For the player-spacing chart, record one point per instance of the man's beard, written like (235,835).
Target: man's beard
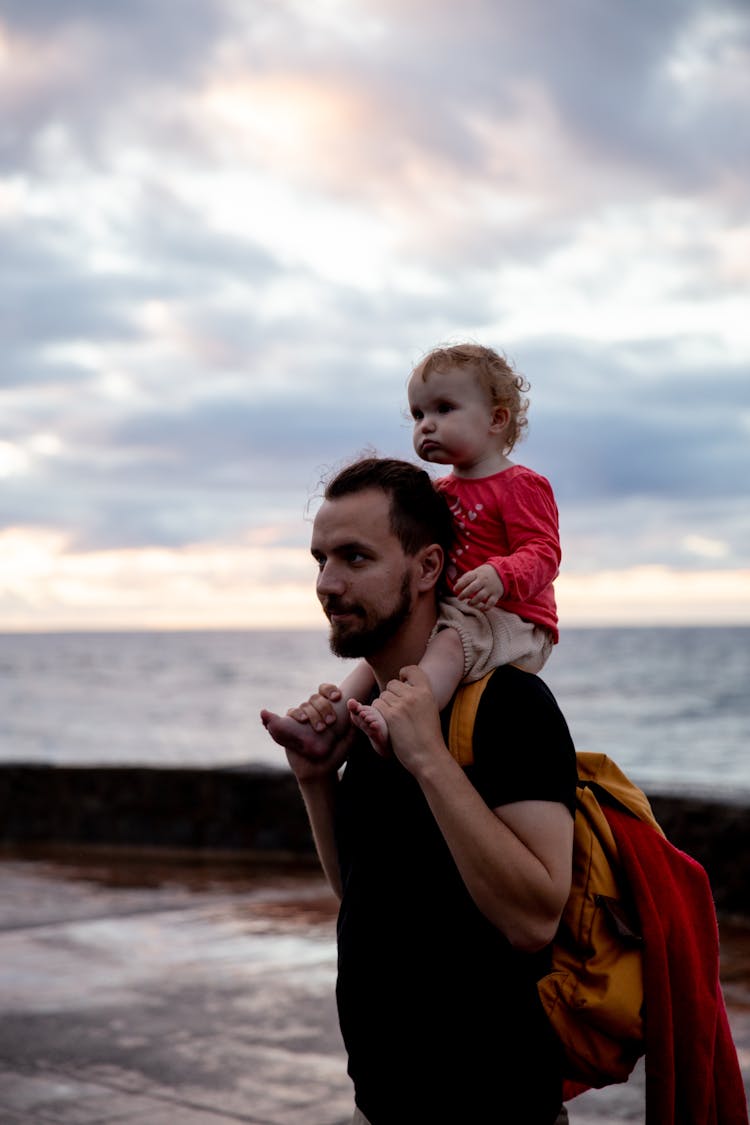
(369,639)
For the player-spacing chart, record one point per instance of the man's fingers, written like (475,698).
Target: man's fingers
(394,689)
(316,711)
(329,691)
(411,674)
(411,677)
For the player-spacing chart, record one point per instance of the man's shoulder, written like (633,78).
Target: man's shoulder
(509,680)
(505,686)
(522,705)
(522,748)
(512,700)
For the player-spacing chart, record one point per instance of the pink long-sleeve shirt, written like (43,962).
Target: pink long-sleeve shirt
(510,521)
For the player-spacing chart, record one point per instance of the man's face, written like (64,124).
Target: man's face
(364,578)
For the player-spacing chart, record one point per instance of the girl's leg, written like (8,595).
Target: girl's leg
(443,664)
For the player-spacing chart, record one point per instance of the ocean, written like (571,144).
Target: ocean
(671,706)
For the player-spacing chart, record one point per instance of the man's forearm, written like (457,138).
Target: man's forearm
(320,797)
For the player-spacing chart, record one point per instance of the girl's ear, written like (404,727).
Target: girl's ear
(430,567)
(500,419)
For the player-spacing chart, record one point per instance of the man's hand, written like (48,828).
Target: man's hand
(318,710)
(312,756)
(409,708)
(482,587)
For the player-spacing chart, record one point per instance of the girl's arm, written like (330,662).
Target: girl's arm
(531,522)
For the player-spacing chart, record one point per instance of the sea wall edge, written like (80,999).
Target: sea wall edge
(258,810)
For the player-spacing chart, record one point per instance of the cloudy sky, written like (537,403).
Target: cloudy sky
(228,229)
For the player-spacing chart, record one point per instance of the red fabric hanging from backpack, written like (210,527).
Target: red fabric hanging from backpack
(692,1072)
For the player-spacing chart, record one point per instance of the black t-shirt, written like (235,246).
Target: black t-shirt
(440,1015)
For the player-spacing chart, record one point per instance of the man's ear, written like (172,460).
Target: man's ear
(431,561)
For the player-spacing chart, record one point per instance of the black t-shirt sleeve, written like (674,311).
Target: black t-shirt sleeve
(522,746)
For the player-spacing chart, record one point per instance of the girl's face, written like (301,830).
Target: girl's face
(454,423)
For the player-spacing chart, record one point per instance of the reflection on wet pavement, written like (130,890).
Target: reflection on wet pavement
(155,989)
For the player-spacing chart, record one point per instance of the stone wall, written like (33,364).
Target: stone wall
(260,810)
(222,809)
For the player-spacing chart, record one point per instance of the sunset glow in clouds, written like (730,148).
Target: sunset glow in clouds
(229,229)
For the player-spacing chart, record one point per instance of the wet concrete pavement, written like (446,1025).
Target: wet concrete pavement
(159,991)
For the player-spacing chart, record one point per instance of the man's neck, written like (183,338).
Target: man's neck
(407,647)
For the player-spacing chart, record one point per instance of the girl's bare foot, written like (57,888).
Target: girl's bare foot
(313,728)
(371,722)
(300,738)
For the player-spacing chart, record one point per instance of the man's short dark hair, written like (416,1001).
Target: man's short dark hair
(419,513)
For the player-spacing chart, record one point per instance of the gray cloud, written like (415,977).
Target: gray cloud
(264,368)
(601,70)
(678,435)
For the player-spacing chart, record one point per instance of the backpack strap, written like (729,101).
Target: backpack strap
(463,714)
(612,787)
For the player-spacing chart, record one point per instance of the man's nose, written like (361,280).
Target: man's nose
(330,580)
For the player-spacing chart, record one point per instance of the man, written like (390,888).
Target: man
(451,881)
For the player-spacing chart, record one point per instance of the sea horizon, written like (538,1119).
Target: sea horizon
(668,703)
(286,627)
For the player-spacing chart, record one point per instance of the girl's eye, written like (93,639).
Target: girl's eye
(445,407)
(417,415)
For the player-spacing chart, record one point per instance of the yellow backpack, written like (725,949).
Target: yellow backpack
(593,994)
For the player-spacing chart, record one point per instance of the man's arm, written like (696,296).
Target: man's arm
(317,779)
(515,860)
(320,797)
